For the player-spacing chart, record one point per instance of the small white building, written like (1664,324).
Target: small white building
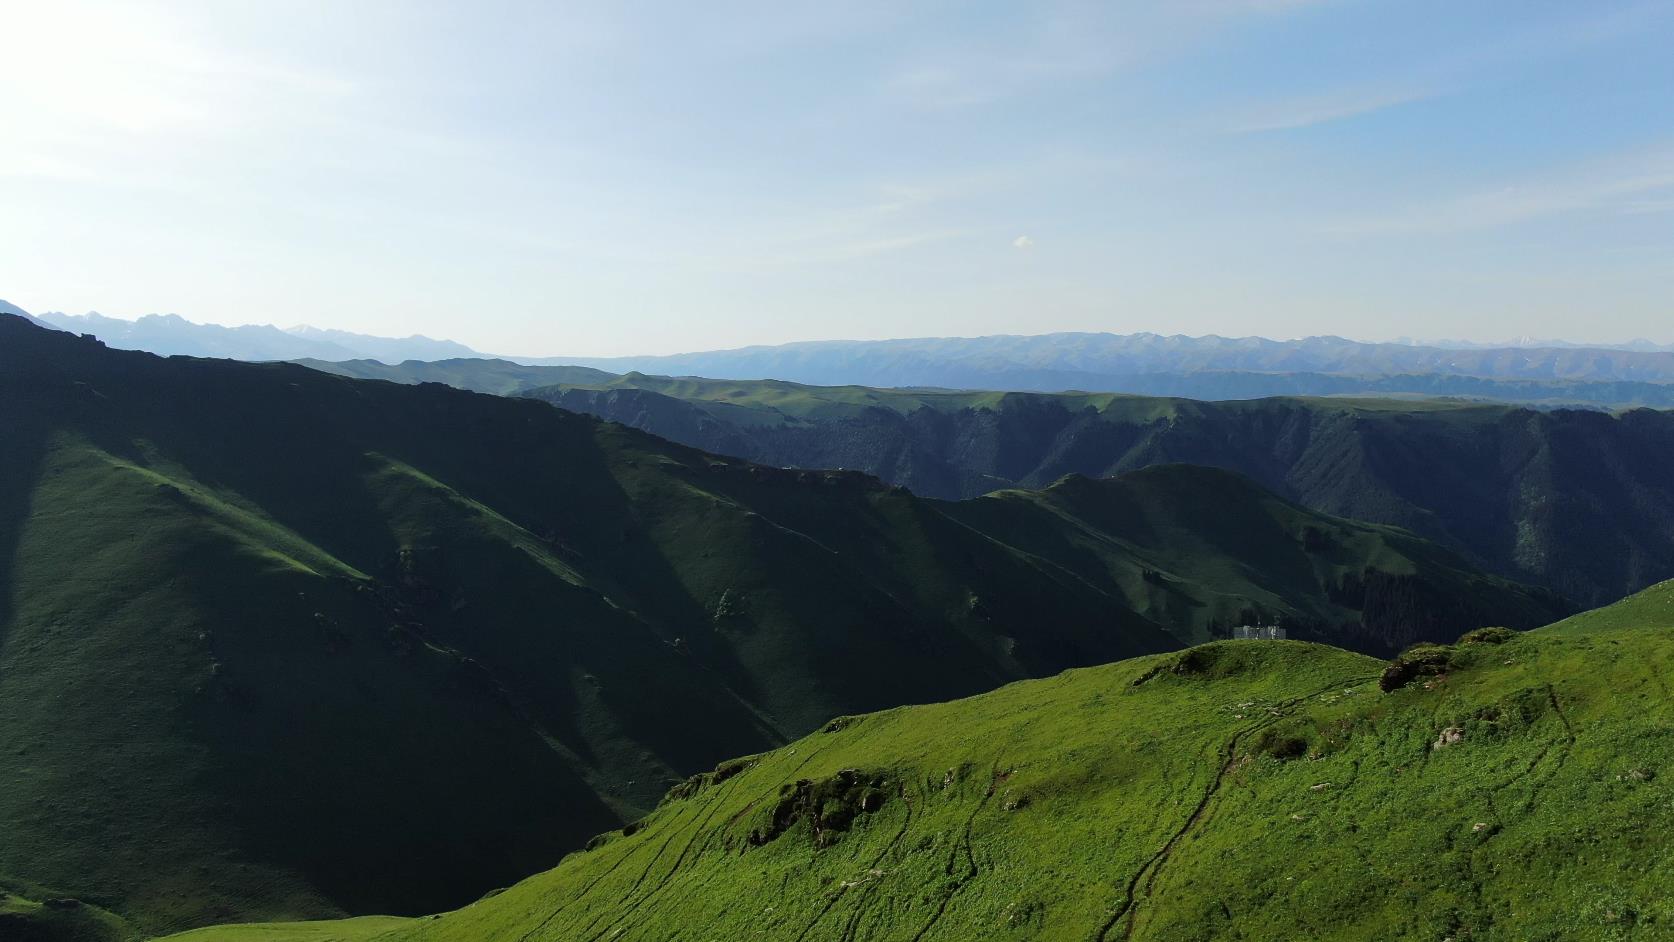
(1262,632)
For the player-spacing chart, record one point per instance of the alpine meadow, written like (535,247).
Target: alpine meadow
(1144,471)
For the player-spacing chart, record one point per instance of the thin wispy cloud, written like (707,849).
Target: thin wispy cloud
(1326,109)
(1445,74)
(1649,207)
(1622,184)
(1066,42)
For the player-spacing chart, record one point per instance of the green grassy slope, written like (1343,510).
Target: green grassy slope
(1520,789)
(1653,607)
(278,644)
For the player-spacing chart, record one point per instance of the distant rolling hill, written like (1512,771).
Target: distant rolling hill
(1504,787)
(1581,502)
(275,643)
(1101,362)
(506,377)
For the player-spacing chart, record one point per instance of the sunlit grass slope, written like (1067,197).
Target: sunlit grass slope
(1653,607)
(1510,787)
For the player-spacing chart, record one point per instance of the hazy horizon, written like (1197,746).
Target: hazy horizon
(1440,342)
(608,179)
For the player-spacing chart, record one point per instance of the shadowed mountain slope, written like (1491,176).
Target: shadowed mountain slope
(1524,493)
(1519,491)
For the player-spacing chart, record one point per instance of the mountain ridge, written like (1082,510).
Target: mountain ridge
(173,335)
(1539,480)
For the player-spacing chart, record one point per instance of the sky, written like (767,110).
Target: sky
(630,177)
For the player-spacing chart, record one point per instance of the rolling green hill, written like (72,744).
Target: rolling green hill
(1520,492)
(1507,787)
(277,644)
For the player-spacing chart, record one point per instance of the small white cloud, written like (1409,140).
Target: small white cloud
(1023,242)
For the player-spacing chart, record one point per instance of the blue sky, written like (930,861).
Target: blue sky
(638,177)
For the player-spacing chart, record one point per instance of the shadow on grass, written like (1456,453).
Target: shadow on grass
(22,450)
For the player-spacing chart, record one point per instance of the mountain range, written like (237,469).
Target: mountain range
(1639,374)
(173,335)
(276,643)
(1525,493)
(284,642)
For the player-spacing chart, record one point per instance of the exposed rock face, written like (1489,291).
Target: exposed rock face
(1451,736)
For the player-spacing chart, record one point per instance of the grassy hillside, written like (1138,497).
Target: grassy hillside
(1508,787)
(277,644)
